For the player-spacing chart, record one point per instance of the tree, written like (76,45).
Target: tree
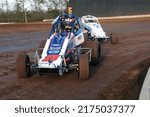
(7,9)
(4,6)
(37,4)
(17,6)
(1,6)
(37,10)
(57,4)
(22,4)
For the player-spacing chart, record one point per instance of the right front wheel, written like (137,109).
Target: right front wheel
(83,67)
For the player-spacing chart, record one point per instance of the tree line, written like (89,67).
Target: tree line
(30,10)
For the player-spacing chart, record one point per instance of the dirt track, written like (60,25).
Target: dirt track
(119,61)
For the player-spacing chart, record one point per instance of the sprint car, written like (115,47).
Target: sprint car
(97,30)
(67,48)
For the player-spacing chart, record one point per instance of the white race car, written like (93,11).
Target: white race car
(96,28)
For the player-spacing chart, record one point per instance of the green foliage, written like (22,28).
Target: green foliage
(31,16)
(19,13)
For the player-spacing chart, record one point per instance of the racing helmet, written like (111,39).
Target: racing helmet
(69,10)
(66,26)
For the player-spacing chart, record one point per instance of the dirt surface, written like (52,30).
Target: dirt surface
(22,27)
(119,70)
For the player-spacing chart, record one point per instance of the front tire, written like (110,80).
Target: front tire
(83,67)
(23,66)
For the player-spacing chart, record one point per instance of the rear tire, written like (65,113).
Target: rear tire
(23,66)
(83,67)
(114,38)
(96,51)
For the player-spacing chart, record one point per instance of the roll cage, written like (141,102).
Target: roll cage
(74,25)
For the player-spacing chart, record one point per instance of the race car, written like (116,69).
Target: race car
(67,47)
(97,30)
